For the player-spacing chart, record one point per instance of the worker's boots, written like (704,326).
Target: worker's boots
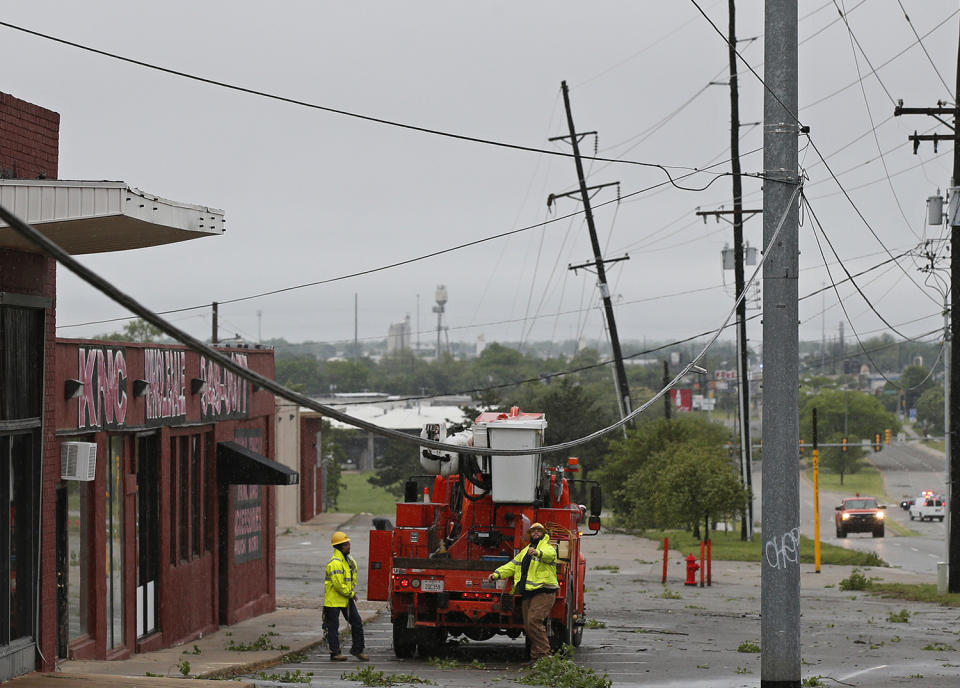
(362,657)
(338,658)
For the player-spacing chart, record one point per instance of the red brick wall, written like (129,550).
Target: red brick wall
(29,139)
(29,148)
(309,471)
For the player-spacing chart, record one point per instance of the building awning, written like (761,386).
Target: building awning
(237,465)
(96,217)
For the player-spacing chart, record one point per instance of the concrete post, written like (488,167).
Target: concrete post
(780,568)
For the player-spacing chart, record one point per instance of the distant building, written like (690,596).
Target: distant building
(398,336)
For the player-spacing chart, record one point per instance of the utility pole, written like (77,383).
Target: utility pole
(214,337)
(666,397)
(780,566)
(952,379)
(623,390)
(746,530)
(356,340)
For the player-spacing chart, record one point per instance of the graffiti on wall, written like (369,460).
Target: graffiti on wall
(166,374)
(248,506)
(103,399)
(226,395)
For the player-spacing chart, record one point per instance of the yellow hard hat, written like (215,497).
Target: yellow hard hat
(339,538)
(537,525)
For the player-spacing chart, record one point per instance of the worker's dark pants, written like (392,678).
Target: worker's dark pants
(536,611)
(331,619)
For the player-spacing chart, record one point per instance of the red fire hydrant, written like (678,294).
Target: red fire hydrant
(692,568)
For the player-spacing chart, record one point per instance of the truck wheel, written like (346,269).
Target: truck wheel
(841,533)
(562,635)
(911,515)
(941,519)
(577,635)
(404,640)
(878,532)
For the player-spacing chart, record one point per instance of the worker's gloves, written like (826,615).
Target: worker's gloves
(493,576)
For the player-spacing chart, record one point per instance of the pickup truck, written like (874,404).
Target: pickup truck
(860,515)
(927,508)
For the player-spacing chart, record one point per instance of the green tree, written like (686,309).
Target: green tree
(930,409)
(836,460)
(135,331)
(572,411)
(334,455)
(399,461)
(639,468)
(844,411)
(915,381)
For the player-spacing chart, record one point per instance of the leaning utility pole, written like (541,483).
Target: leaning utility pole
(952,383)
(742,371)
(780,565)
(623,391)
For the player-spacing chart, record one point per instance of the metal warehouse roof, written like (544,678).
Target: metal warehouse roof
(397,418)
(96,217)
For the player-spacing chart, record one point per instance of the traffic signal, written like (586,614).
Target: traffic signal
(888,434)
(801,446)
(876,443)
(843,444)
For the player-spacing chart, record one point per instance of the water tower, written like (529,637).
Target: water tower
(441,298)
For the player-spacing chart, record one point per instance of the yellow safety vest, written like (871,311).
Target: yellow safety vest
(340,580)
(542,572)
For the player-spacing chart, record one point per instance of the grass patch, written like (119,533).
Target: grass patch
(935,444)
(612,568)
(357,496)
(286,677)
(867,481)
(263,642)
(729,547)
(747,646)
(855,581)
(903,616)
(560,671)
(918,592)
(443,662)
(369,676)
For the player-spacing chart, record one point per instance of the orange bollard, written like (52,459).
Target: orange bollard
(701,563)
(666,550)
(709,562)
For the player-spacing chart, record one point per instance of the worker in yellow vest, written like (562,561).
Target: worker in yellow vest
(339,597)
(534,573)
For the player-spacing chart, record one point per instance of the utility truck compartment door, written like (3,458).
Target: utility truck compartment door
(380,565)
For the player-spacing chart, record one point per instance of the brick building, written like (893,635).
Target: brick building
(172,533)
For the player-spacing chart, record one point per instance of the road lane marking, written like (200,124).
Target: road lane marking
(862,671)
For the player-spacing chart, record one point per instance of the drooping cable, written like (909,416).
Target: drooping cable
(37,239)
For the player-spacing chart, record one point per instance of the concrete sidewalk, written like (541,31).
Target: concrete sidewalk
(294,627)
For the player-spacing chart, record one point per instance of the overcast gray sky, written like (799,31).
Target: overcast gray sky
(310,195)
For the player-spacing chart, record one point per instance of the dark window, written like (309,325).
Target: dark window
(210,480)
(21,362)
(196,490)
(173,500)
(184,499)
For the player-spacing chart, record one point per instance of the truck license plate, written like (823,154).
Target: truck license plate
(432,586)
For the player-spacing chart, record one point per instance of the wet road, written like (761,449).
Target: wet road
(908,468)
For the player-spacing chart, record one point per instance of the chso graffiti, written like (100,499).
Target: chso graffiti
(103,400)
(165,372)
(225,394)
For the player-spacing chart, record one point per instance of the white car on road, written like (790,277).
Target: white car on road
(927,508)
